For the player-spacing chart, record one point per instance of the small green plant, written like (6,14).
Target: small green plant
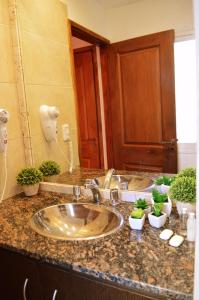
(141,203)
(49,168)
(184,189)
(157,209)
(137,214)
(188,172)
(159,197)
(166,180)
(29,176)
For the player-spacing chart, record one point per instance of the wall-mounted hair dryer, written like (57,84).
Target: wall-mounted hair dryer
(48,116)
(4,116)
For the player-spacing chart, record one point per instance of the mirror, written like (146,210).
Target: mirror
(46,72)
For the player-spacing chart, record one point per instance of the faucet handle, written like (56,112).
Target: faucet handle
(76,192)
(89,181)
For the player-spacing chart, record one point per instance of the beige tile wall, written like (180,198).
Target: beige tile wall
(43,37)
(47,74)
(9,101)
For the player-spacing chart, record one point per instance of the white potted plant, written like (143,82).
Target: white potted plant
(157,218)
(163,183)
(29,179)
(144,205)
(183,192)
(158,197)
(136,219)
(50,170)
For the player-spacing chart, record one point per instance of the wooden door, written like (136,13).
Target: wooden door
(142,103)
(88,108)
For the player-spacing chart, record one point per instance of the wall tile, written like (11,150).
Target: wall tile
(15,162)
(45,61)
(6,57)
(4,16)
(8,100)
(45,18)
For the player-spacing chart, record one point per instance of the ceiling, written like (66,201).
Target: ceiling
(115,3)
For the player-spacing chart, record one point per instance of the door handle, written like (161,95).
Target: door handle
(170,142)
(24,289)
(54,294)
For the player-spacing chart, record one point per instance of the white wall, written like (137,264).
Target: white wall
(88,13)
(149,16)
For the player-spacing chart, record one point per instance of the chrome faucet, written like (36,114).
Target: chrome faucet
(107,180)
(92,185)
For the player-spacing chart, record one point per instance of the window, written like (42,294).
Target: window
(185,89)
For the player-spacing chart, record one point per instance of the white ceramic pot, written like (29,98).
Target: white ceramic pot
(157,222)
(167,206)
(52,178)
(159,188)
(191,207)
(165,189)
(136,223)
(31,189)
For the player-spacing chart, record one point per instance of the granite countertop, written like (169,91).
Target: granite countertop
(138,260)
(79,175)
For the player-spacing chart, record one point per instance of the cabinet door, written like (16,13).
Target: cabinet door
(19,277)
(89,289)
(56,283)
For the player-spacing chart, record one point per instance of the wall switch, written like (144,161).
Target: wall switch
(66,132)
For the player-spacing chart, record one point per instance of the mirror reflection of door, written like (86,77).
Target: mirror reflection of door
(88,111)
(142,103)
(139,104)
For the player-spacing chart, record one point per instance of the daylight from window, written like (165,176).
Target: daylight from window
(185,90)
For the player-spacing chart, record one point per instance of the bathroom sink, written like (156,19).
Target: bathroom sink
(135,182)
(76,221)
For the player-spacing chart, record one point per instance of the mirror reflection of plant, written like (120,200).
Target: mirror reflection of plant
(166,180)
(141,203)
(50,168)
(157,209)
(159,197)
(137,214)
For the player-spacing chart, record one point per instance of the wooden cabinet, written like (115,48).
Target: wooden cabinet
(23,278)
(19,280)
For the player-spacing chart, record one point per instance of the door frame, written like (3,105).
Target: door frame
(81,32)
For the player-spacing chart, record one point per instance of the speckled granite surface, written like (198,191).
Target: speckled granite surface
(141,261)
(79,175)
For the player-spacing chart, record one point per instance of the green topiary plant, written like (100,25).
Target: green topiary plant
(188,172)
(184,189)
(159,197)
(29,176)
(49,168)
(157,209)
(137,214)
(141,203)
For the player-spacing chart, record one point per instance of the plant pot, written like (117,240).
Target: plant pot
(165,189)
(52,178)
(157,222)
(136,223)
(31,189)
(159,188)
(167,206)
(191,207)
